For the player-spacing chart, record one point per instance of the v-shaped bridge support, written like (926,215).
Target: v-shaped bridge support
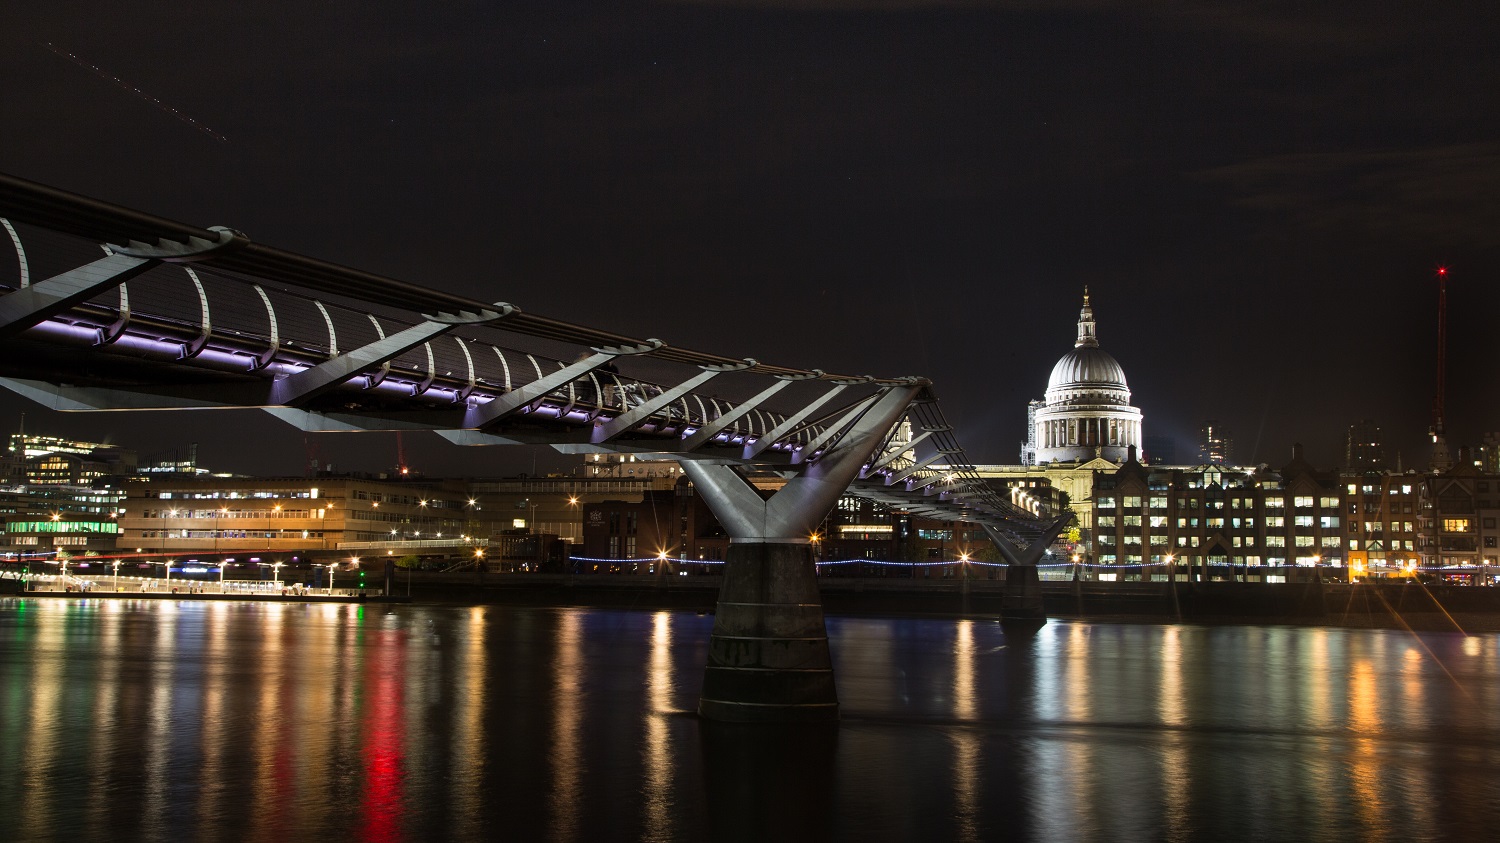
(768,657)
(1022,603)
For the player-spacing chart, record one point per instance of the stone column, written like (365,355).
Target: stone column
(768,657)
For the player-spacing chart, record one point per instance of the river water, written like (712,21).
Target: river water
(193,720)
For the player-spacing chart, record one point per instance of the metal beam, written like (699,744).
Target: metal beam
(914,468)
(803,502)
(894,455)
(708,431)
(1032,553)
(502,406)
(776,433)
(303,386)
(607,430)
(30,306)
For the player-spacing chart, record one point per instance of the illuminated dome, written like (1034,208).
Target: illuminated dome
(1086,412)
(1087,366)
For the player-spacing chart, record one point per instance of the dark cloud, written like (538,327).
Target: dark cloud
(1448,194)
(894,188)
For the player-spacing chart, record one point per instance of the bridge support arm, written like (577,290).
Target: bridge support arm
(308,384)
(775,434)
(768,655)
(607,430)
(705,434)
(504,405)
(1022,603)
(915,467)
(30,306)
(896,454)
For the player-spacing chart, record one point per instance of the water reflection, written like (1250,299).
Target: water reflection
(966,742)
(220,721)
(657,801)
(567,749)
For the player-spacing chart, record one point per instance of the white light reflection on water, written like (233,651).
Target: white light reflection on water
(470,682)
(106,703)
(158,743)
(658,797)
(967,757)
(216,731)
(410,723)
(567,739)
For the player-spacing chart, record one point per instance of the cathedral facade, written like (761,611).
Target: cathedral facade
(1086,412)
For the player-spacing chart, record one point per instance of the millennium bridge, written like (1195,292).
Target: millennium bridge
(106,308)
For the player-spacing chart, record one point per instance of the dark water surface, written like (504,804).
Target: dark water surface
(219,721)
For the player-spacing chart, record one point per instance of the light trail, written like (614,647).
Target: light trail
(137,92)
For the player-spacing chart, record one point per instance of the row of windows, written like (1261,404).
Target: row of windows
(232,534)
(257,494)
(1379,526)
(1329,542)
(1235,502)
(234,513)
(1395,544)
(62,527)
(1327,522)
(1251,560)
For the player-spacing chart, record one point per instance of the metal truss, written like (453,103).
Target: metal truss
(176,316)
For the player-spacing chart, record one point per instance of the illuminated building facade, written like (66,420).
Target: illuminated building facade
(1086,412)
(1214,443)
(58,461)
(1218,515)
(1457,516)
(1381,513)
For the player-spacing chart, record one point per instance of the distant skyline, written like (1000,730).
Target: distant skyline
(1257,198)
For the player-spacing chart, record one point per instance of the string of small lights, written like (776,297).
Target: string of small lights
(977,563)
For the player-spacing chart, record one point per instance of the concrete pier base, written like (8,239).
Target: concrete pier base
(768,656)
(1022,604)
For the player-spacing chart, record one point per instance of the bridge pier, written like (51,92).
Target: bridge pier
(1021,606)
(768,657)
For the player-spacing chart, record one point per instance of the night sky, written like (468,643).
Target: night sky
(1256,193)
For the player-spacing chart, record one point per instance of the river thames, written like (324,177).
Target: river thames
(193,720)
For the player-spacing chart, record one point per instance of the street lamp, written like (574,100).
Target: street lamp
(116,565)
(164,536)
(276,574)
(218,514)
(323,527)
